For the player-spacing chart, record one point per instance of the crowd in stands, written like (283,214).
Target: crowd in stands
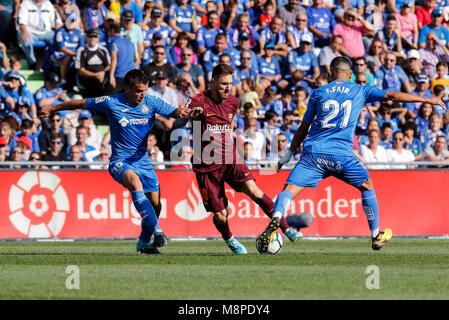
(280,50)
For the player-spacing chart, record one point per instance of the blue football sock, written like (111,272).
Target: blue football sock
(369,203)
(282,203)
(149,221)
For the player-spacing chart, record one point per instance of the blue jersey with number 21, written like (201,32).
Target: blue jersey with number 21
(333,111)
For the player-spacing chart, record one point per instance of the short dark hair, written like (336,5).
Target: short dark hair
(115,27)
(270,114)
(136,76)
(338,63)
(26,123)
(222,69)
(410,125)
(55,135)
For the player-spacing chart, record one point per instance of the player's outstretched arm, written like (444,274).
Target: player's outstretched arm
(407,97)
(192,114)
(298,139)
(68,105)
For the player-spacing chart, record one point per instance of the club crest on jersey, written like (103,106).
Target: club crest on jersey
(101,99)
(145,109)
(230,116)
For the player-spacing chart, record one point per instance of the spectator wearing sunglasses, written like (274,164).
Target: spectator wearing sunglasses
(56,150)
(360,66)
(54,126)
(35,156)
(398,154)
(17,154)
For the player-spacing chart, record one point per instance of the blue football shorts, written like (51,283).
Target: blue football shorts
(314,167)
(143,168)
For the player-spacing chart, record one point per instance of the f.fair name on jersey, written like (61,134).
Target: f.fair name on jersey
(341,89)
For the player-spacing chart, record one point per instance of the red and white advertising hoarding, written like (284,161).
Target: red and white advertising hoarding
(84,204)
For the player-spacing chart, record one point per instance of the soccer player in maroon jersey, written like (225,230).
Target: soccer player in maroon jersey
(215,159)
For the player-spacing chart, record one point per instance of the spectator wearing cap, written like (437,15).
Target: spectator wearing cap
(432,53)
(157,27)
(352,29)
(149,46)
(408,23)
(124,58)
(161,89)
(391,37)
(295,31)
(270,70)
(390,76)
(289,12)
(241,26)
(182,17)
(303,59)
(133,32)
(194,70)
(244,44)
(423,13)
(36,21)
(15,87)
(158,64)
(120,6)
(85,120)
(92,62)
(422,90)
(206,35)
(23,109)
(328,53)
(94,14)
(51,93)
(434,26)
(54,127)
(67,41)
(321,23)
(273,34)
(104,28)
(25,144)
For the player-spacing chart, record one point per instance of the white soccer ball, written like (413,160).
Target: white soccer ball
(276,244)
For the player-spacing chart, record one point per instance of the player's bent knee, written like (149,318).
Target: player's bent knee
(131,181)
(221,216)
(367,185)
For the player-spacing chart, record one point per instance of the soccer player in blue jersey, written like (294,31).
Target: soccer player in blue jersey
(131,116)
(332,115)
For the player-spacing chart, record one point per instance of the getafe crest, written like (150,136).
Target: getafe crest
(145,109)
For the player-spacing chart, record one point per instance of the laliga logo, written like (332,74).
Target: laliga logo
(191,209)
(33,199)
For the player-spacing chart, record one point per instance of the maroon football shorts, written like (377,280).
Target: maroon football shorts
(212,184)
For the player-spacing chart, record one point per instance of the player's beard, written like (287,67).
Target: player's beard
(223,95)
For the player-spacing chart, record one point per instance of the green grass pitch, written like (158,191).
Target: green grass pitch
(327,269)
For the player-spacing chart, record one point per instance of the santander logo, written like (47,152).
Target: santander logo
(38,204)
(192,208)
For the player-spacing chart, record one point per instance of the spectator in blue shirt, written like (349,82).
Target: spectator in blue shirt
(135,8)
(321,23)
(123,59)
(391,76)
(273,34)
(295,32)
(422,90)
(182,17)
(304,60)
(270,70)
(51,93)
(94,14)
(157,26)
(205,36)
(245,69)
(241,27)
(15,87)
(211,57)
(435,26)
(67,41)
(391,37)
(244,44)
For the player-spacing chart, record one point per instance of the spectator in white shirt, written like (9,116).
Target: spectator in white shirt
(154,152)
(85,119)
(36,20)
(162,90)
(373,152)
(438,152)
(398,153)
